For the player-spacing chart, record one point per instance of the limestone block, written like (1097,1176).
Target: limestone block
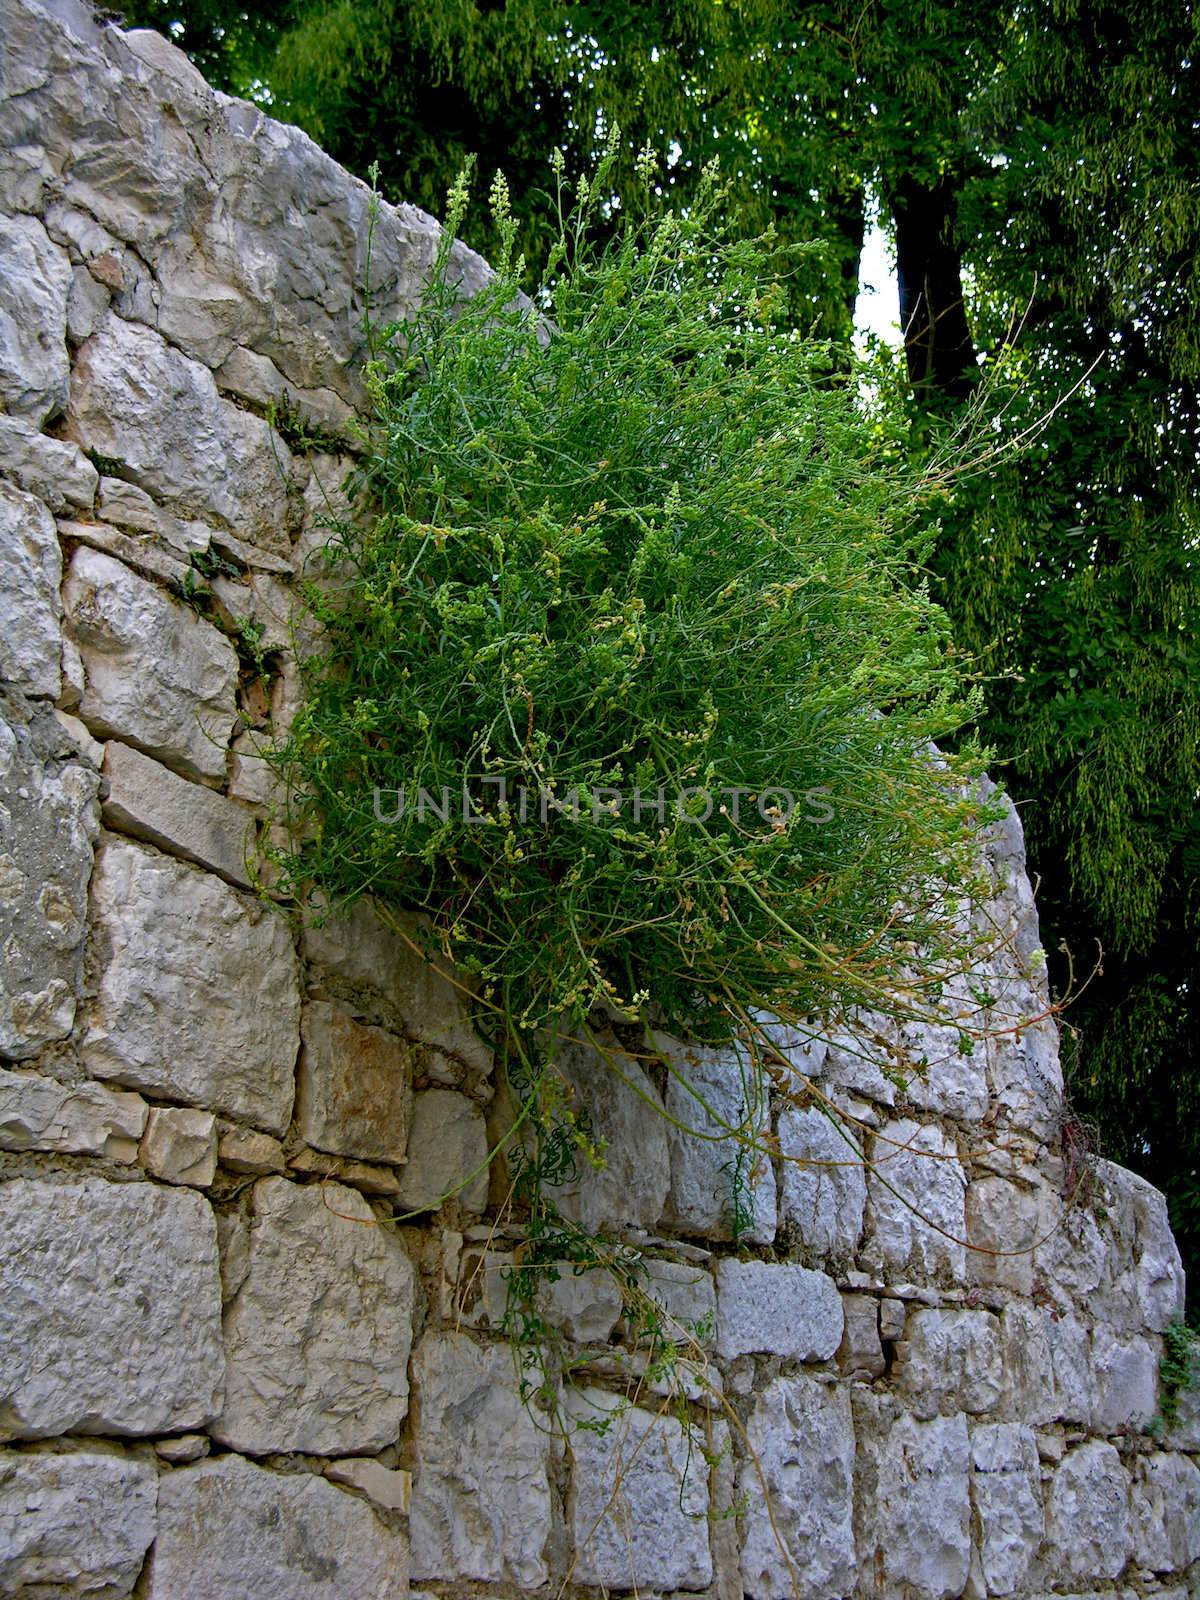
(447,1143)
(148,801)
(913,1497)
(389,1489)
(1071,1260)
(354,1089)
(688,1296)
(1003,1221)
(823,1181)
(1087,1522)
(1126,1374)
(1006,1493)
(318,1335)
(47,825)
(30,575)
(87,304)
(358,1174)
(802,1435)
(778,1309)
(917,1188)
(83,1119)
(198,997)
(35,279)
(862,1057)
(1047,1365)
(946,1070)
(180,1146)
(245,1150)
(359,948)
(950,1360)
(630,1190)
(1165,1512)
(584,1306)
(860,1354)
(1142,1286)
(711,1091)
(54,470)
(182,1448)
(74,1524)
(92,1280)
(228,1530)
(1024,1072)
(138,401)
(640,1503)
(157,675)
(481,1494)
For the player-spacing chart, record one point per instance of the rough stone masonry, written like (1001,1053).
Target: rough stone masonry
(221,1375)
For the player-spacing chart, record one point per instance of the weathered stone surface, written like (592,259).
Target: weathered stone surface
(74,1524)
(358,1174)
(1004,1223)
(640,1502)
(47,825)
(802,1436)
(860,1354)
(447,1143)
(1165,1513)
(245,1150)
(687,1295)
(1024,1072)
(387,1488)
(54,470)
(778,1309)
(180,1145)
(354,1089)
(35,279)
(1126,1375)
(30,575)
(150,802)
(950,1360)
(37,1113)
(823,1185)
(481,1493)
(318,1335)
(183,1448)
(1007,1498)
(92,1282)
(941,1075)
(585,1307)
(719,1173)
(862,1057)
(228,1529)
(917,1187)
(1087,1521)
(139,402)
(359,948)
(198,997)
(630,1190)
(1047,1365)
(157,675)
(913,1499)
(1142,1281)
(127,506)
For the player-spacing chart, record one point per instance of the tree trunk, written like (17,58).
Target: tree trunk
(937,337)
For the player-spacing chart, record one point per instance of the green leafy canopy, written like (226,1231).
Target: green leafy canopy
(633,532)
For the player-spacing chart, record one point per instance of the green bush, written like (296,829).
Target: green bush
(623,534)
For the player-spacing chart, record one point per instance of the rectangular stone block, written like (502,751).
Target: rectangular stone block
(318,1334)
(198,997)
(110,1309)
(777,1309)
(447,1144)
(47,825)
(481,1493)
(802,1435)
(148,801)
(74,1523)
(57,472)
(354,1090)
(81,1119)
(180,1145)
(30,575)
(640,1500)
(949,1360)
(1006,1493)
(157,675)
(228,1530)
(823,1181)
(917,1186)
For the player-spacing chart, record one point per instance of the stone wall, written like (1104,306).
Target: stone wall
(224,1371)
